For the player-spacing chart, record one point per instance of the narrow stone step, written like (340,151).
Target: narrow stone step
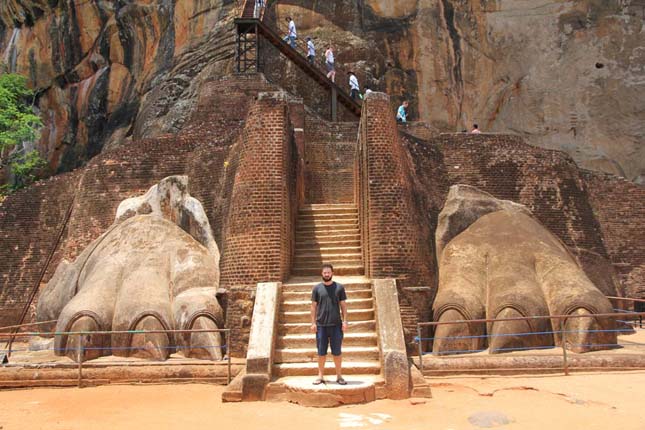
(309,339)
(309,260)
(346,270)
(304,305)
(305,295)
(304,355)
(324,222)
(311,369)
(303,317)
(303,328)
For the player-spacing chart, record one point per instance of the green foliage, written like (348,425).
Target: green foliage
(18,124)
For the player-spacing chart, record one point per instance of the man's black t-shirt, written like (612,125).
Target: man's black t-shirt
(328,299)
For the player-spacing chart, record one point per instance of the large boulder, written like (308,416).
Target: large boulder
(155,268)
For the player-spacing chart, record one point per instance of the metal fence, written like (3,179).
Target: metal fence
(82,337)
(626,322)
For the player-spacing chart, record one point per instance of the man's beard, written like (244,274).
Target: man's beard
(327,278)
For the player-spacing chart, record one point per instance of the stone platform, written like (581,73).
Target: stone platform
(301,390)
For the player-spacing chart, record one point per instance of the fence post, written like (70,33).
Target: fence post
(420,348)
(79,358)
(228,355)
(564,345)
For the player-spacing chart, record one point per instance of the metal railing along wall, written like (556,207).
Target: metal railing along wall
(625,325)
(81,337)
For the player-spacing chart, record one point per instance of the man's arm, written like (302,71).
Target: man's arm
(343,310)
(314,306)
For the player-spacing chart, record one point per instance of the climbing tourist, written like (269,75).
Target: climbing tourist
(329,322)
(311,50)
(259,4)
(402,113)
(329,62)
(475,129)
(367,90)
(354,88)
(292,35)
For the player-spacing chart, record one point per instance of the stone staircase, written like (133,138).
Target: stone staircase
(326,234)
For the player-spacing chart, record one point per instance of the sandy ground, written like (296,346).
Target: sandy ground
(581,401)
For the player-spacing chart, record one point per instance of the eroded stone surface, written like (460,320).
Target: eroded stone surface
(505,264)
(144,273)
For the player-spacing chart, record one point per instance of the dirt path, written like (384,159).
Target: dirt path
(581,401)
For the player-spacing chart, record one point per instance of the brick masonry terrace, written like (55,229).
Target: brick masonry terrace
(255,155)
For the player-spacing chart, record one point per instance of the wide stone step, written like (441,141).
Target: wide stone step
(308,340)
(305,294)
(308,285)
(319,259)
(344,269)
(344,227)
(315,216)
(330,240)
(303,317)
(311,369)
(304,355)
(317,249)
(304,305)
(326,221)
(327,209)
(300,390)
(304,328)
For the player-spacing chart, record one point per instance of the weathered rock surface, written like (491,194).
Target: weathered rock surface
(505,264)
(565,75)
(147,272)
(109,71)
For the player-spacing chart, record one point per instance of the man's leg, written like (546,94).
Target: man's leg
(322,343)
(336,350)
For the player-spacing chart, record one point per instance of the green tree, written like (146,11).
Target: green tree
(18,124)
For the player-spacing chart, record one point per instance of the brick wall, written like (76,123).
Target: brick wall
(30,223)
(259,233)
(619,206)
(330,149)
(395,234)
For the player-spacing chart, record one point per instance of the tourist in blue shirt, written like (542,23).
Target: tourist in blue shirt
(402,113)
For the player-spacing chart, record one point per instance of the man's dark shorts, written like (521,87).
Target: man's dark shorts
(329,335)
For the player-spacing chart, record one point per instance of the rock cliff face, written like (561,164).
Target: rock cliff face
(563,74)
(107,71)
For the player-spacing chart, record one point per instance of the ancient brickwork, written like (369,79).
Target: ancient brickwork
(547,182)
(259,233)
(30,223)
(330,149)
(392,225)
(619,206)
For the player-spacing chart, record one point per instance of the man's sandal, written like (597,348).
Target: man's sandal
(319,381)
(341,381)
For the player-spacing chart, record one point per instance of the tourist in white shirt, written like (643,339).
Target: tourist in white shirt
(292,35)
(354,88)
(329,62)
(311,50)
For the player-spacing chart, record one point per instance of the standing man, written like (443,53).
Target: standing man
(311,50)
(328,301)
(354,88)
